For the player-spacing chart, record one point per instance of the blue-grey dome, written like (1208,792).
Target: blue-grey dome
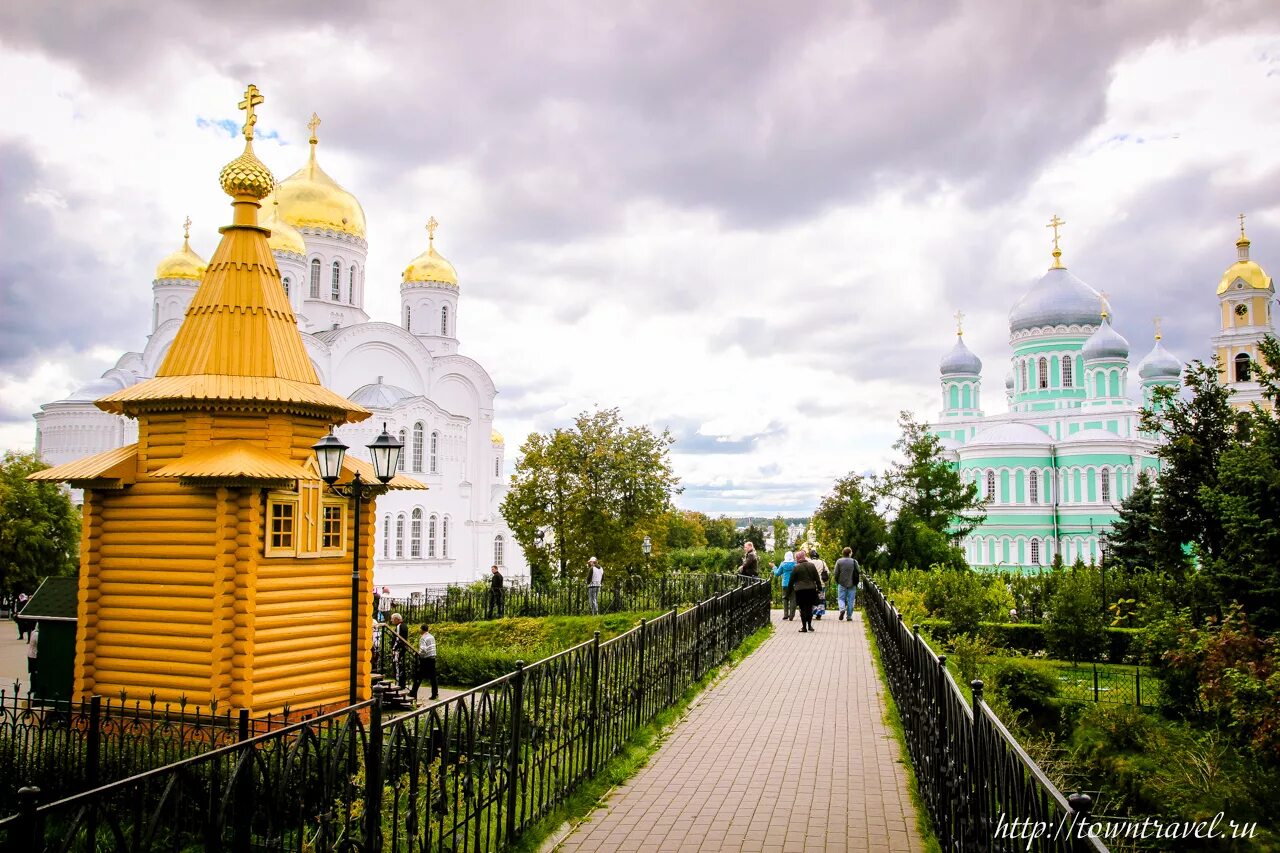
(1057,299)
(960,361)
(1105,344)
(380,396)
(1160,364)
(1008,380)
(96,390)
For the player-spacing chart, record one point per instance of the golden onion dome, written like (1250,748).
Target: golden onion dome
(284,237)
(247,176)
(495,437)
(1249,272)
(183,263)
(310,198)
(430,265)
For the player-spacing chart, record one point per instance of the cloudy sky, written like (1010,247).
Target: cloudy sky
(749,222)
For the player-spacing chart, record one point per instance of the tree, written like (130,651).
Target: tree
(39,526)
(1197,430)
(1075,627)
(780,542)
(1138,541)
(598,487)
(753,534)
(721,533)
(685,529)
(847,518)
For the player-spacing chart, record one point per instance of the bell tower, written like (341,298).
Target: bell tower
(1245,297)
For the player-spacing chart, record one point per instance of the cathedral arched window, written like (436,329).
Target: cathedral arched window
(286,283)
(1105,474)
(431,536)
(444,320)
(400,462)
(1243,370)
(1068,372)
(386,536)
(415,534)
(417,446)
(435,453)
(351,294)
(1022,371)
(400,536)
(1035,552)
(1033,487)
(444,538)
(315,278)
(991,485)
(406,319)
(1042,373)
(498,548)
(335,292)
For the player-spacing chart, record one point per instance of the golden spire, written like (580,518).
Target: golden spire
(246,175)
(959,315)
(1056,223)
(1102,298)
(186,229)
(432,225)
(311,126)
(1156,320)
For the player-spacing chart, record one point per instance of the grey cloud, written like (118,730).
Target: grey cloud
(690,439)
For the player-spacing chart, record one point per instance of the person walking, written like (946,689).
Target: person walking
(805,582)
(750,561)
(595,577)
(400,639)
(848,573)
(824,577)
(33,652)
(782,571)
(426,664)
(384,605)
(496,603)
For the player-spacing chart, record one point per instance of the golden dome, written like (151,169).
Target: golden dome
(430,266)
(495,437)
(183,263)
(284,237)
(310,198)
(1245,269)
(246,175)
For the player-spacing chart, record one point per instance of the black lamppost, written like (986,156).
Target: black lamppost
(385,453)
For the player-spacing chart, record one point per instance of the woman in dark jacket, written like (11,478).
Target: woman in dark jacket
(805,583)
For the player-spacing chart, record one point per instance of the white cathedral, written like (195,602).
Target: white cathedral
(411,376)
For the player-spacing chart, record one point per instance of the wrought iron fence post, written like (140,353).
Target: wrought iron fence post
(663,603)
(943,793)
(595,702)
(513,769)
(1081,805)
(671,662)
(977,781)
(373,776)
(95,740)
(240,817)
(640,680)
(697,640)
(1095,681)
(28,836)
(1137,685)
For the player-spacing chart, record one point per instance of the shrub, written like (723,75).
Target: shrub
(1027,686)
(968,651)
(961,596)
(1074,627)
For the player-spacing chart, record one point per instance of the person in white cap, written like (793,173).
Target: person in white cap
(595,577)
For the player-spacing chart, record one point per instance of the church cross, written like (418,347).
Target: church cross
(251,100)
(1106,305)
(1055,223)
(312,125)
(1242,225)
(432,225)
(1157,320)
(186,228)
(959,315)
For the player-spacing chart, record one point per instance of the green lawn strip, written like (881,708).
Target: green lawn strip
(634,755)
(923,823)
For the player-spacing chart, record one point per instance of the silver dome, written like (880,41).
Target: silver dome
(1105,344)
(380,396)
(96,390)
(1057,299)
(960,361)
(1160,364)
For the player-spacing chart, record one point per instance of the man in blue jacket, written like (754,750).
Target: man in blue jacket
(783,571)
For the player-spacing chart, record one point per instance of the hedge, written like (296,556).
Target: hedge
(1029,638)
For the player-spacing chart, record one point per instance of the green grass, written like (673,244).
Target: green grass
(923,823)
(633,756)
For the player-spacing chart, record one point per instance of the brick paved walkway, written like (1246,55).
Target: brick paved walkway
(749,768)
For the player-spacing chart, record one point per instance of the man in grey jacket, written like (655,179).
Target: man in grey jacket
(847,575)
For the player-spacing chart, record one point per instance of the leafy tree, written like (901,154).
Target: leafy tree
(599,487)
(1197,430)
(1137,540)
(847,518)
(685,529)
(1075,626)
(39,526)
(721,533)
(780,542)
(753,534)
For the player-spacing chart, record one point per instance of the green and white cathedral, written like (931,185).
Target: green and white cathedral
(1056,466)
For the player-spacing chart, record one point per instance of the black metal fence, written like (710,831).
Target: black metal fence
(982,790)
(467,773)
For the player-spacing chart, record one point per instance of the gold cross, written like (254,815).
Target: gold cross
(432,225)
(186,228)
(1157,322)
(1242,225)
(312,125)
(959,315)
(1102,298)
(251,100)
(1055,223)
